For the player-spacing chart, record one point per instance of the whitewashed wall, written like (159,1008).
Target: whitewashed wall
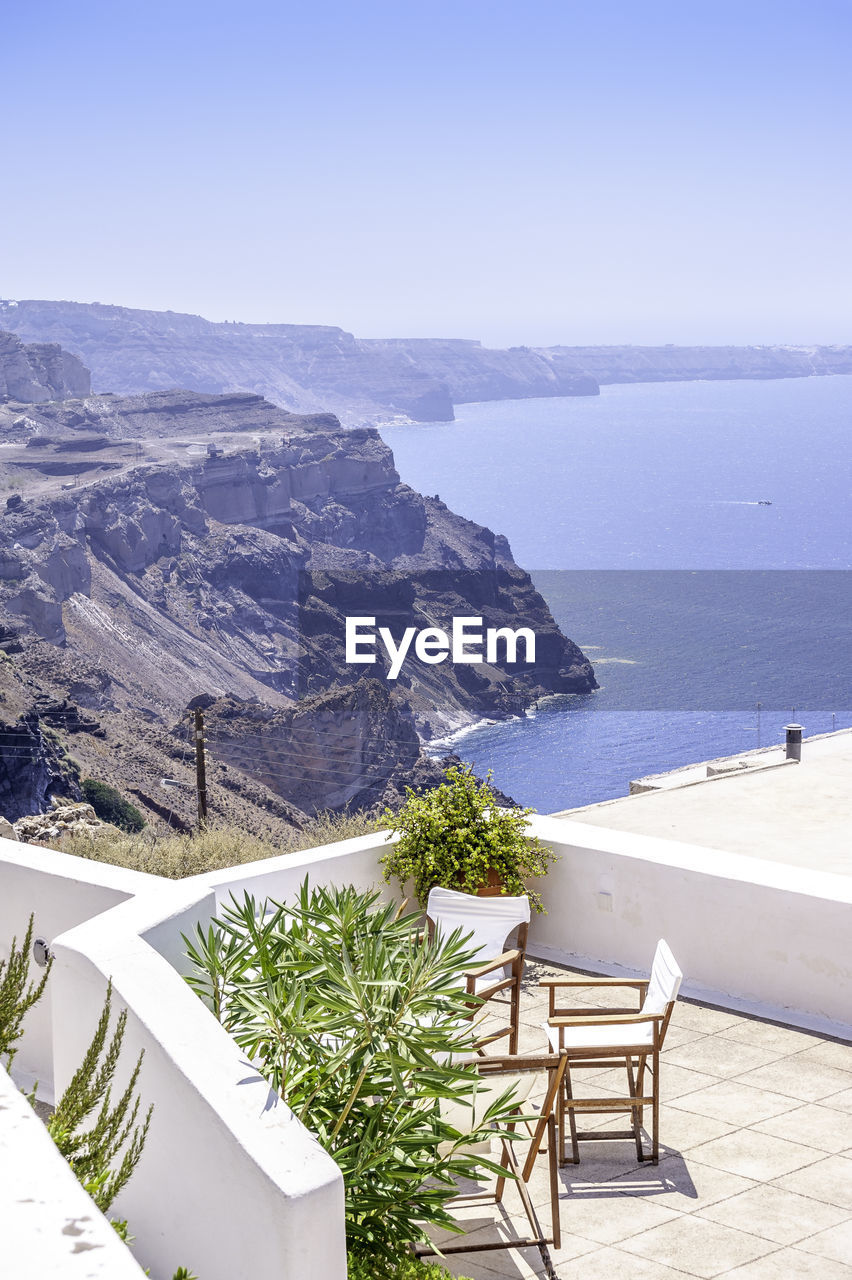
(48,1225)
(749,934)
(230,1183)
(61,892)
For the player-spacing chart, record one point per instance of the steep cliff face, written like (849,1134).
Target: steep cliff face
(32,769)
(684,364)
(260,555)
(232,575)
(306,368)
(39,371)
(473,372)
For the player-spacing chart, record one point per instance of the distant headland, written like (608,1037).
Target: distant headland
(307,368)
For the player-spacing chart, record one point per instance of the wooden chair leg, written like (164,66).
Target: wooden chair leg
(655,1146)
(635,1111)
(640,1085)
(504,1164)
(554,1184)
(515,1008)
(572,1121)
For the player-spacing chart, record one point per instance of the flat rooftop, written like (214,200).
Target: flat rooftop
(755,1173)
(797,813)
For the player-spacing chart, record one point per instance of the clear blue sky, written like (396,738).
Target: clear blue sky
(528,172)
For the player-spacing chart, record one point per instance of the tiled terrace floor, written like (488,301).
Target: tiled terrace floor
(755,1173)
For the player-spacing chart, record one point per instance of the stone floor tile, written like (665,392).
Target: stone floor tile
(682,1130)
(674,1081)
(613,1264)
(829,1180)
(702,1018)
(610,1218)
(601,1163)
(679,1130)
(754,1155)
(681,1184)
(779,1216)
(717,1056)
(799,1077)
(839,1101)
(835,1243)
(734,1103)
(677,1036)
(770,1036)
(697,1246)
(830,1053)
(790,1264)
(814,1124)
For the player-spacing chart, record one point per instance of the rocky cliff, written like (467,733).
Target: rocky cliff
(305,368)
(310,368)
(39,371)
(230,575)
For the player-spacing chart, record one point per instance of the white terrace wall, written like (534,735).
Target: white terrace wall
(760,936)
(48,1225)
(748,933)
(61,892)
(230,1184)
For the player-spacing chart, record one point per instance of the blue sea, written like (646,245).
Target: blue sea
(712,619)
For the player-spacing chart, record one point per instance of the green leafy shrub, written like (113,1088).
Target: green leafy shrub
(362,1030)
(113,1137)
(408,1268)
(456,834)
(111,806)
(17,994)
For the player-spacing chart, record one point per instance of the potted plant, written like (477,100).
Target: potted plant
(458,837)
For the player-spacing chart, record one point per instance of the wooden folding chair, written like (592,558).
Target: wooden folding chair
(504,1071)
(625,1038)
(490,921)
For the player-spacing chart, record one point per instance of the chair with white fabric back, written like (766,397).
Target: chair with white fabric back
(490,920)
(615,1038)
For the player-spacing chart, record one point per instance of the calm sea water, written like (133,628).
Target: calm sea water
(639,515)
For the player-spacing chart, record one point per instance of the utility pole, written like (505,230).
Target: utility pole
(200,770)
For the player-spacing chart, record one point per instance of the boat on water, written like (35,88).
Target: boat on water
(764,502)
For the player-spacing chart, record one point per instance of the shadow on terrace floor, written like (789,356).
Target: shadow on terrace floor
(755,1174)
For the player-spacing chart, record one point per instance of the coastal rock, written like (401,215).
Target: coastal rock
(61,820)
(32,769)
(232,574)
(35,372)
(305,368)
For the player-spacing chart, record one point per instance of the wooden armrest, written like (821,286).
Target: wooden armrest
(593,982)
(605,1020)
(480,971)
(514,1062)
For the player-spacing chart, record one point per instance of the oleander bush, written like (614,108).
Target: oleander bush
(361,1028)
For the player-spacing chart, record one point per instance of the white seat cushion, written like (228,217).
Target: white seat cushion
(610,1038)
